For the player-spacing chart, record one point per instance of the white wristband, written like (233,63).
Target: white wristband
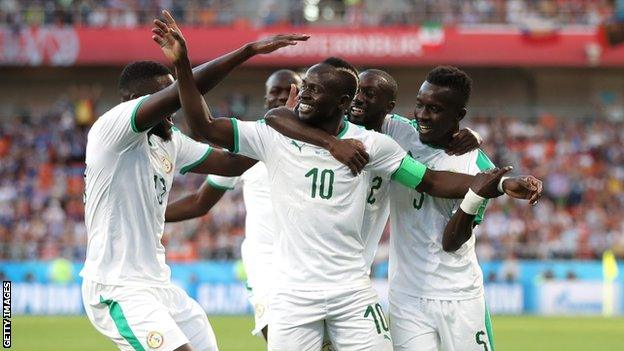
(471,203)
(500,184)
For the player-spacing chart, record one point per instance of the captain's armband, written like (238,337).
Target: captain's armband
(410,173)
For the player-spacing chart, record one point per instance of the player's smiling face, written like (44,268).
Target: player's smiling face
(438,112)
(372,101)
(319,97)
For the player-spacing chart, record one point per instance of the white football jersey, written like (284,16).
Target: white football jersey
(318,204)
(259,222)
(418,264)
(127,182)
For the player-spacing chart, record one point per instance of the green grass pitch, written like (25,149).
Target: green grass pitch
(510,334)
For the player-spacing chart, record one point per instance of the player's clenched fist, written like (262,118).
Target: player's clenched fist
(169,36)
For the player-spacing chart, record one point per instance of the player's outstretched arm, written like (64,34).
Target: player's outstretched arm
(451,185)
(169,36)
(193,205)
(459,229)
(350,152)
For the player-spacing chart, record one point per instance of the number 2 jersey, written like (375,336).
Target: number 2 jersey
(418,265)
(319,205)
(127,181)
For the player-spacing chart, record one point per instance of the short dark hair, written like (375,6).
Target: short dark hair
(391,86)
(137,73)
(453,78)
(348,74)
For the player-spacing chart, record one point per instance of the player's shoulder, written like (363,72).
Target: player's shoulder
(124,111)
(396,126)
(477,159)
(395,120)
(354,131)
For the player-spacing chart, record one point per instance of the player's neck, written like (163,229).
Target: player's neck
(442,142)
(376,124)
(333,126)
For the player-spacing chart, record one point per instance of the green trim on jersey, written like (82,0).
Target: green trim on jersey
(343,131)
(484,164)
(236,145)
(175,129)
(186,169)
(121,323)
(133,116)
(410,173)
(488,327)
(217,186)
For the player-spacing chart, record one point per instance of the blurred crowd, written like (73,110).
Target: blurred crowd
(132,13)
(580,161)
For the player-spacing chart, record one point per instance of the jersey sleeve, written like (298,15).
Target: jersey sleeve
(252,139)
(221,182)
(401,130)
(388,158)
(116,129)
(189,153)
(480,163)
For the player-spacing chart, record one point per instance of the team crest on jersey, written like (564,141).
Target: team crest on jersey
(155,339)
(259,308)
(166,163)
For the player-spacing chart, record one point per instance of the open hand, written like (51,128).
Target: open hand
(291,103)
(464,141)
(267,46)
(485,184)
(351,153)
(168,35)
(524,187)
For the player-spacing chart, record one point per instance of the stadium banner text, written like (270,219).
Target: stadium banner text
(394,46)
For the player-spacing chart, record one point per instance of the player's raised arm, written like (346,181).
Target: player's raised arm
(165,102)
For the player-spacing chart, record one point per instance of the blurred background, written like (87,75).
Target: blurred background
(547,99)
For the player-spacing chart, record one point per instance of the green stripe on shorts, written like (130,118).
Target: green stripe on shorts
(122,323)
(488,327)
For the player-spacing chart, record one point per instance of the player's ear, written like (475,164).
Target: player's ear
(462,113)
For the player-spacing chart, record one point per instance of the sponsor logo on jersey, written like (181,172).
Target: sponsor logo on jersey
(155,339)
(299,146)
